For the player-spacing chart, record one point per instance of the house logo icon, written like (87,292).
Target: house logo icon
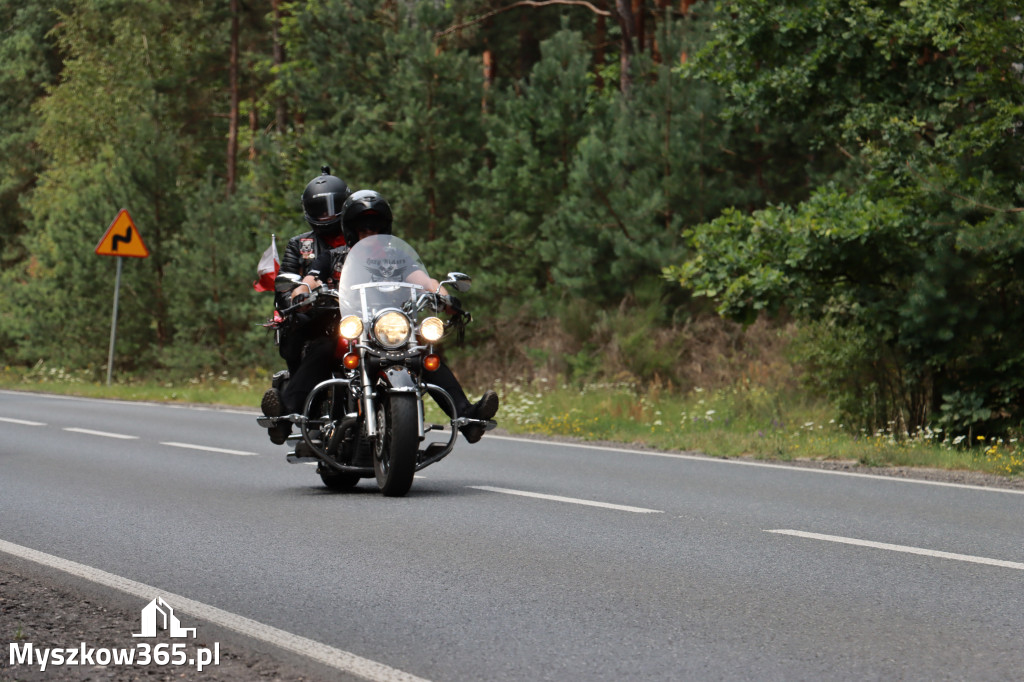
(159,614)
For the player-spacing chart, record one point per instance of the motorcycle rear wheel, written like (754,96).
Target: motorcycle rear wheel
(394,453)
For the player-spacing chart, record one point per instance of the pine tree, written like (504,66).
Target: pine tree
(31,64)
(143,145)
(531,143)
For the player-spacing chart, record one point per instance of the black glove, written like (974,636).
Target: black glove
(452,304)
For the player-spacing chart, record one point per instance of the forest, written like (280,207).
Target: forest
(613,174)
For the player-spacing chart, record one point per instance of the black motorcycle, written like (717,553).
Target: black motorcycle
(368,419)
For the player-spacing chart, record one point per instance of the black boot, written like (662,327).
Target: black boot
(273,406)
(484,410)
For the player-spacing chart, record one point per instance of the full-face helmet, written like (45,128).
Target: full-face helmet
(322,201)
(365,209)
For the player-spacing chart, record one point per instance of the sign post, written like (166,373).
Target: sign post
(121,239)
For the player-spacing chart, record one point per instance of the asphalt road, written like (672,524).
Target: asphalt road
(524,560)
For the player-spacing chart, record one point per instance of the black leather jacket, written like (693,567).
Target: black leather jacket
(299,254)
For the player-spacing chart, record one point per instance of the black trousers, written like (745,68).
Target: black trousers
(314,367)
(444,378)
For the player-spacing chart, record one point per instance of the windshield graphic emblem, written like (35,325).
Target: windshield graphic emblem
(384,269)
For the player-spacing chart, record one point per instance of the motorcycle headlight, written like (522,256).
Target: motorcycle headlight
(351,327)
(392,329)
(432,329)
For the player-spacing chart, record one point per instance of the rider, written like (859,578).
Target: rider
(321,206)
(367,213)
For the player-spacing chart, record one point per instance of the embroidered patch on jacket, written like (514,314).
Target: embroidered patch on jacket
(306,248)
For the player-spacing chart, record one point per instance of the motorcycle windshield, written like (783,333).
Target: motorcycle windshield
(377,274)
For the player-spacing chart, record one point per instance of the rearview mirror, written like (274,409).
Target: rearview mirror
(459,281)
(286,281)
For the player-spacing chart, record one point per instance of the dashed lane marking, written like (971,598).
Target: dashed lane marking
(571,500)
(105,434)
(24,422)
(206,448)
(901,548)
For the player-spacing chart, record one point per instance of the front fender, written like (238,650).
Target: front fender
(400,380)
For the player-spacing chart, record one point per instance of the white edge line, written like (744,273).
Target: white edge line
(206,448)
(24,422)
(765,465)
(327,655)
(901,548)
(143,403)
(571,500)
(105,434)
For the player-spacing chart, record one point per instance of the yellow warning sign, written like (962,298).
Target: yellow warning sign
(122,238)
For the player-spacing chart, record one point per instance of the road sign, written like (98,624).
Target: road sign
(122,238)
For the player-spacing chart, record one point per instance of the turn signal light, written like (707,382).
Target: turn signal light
(351,361)
(431,362)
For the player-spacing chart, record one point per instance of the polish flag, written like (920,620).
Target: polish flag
(268,267)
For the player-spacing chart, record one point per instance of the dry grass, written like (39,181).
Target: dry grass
(720,388)
(706,352)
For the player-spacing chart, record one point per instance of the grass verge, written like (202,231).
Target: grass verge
(746,420)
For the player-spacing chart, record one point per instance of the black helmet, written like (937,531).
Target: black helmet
(322,200)
(365,207)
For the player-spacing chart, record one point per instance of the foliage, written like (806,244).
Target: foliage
(530,142)
(137,148)
(514,177)
(855,165)
(914,257)
(31,63)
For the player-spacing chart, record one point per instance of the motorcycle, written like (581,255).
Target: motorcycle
(368,419)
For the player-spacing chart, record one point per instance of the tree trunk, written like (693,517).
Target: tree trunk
(233,114)
(489,67)
(638,22)
(281,109)
(662,13)
(624,13)
(529,49)
(600,40)
(253,128)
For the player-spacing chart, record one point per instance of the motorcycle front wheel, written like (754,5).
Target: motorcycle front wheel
(394,453)
(337,481)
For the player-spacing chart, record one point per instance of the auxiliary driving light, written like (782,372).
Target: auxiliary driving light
(351,327)
(432,329)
